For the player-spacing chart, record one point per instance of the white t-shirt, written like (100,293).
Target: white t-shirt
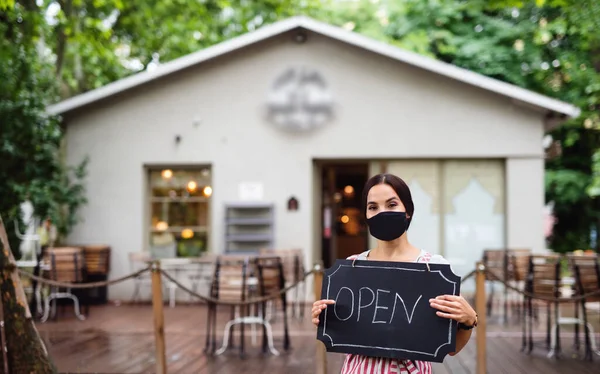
(433,259)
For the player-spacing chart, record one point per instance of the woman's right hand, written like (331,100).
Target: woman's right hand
(318,307)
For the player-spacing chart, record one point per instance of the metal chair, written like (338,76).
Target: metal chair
(271,281)
(137,262)
(543,279)
(495,262)
(587,280)
(201,274)
(97,267)
(230,283)
(518,264)
(293,267)
(65,265)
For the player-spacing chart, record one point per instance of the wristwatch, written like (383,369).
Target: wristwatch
(465,327)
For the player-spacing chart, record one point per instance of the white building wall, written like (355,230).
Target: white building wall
(383,110)
(525,203)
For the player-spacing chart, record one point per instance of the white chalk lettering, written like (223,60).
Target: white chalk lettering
(409,318)
(336,304)
(378,298)
(378,307)
(360,305)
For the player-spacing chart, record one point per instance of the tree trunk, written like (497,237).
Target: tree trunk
(25,350)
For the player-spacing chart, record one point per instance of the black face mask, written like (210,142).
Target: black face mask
(388,226)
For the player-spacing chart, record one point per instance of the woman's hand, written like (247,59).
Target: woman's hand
(318,307)
(454,307)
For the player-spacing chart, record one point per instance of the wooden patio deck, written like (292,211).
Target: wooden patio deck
(120,339)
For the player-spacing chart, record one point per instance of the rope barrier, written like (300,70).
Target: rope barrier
(273,296)
(251,301)
(84,285)
(470,275)
(544,298)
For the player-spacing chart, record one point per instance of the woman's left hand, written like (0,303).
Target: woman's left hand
(454,307)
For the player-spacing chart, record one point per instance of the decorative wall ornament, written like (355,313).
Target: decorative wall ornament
(292,204)
(299,100)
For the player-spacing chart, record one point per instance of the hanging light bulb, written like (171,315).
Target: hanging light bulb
(187,233)
(207,191)
(337,197)
(192,186)
(167,173)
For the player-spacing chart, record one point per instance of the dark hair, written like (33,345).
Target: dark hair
(397,184)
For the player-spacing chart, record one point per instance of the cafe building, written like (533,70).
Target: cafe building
(265,141)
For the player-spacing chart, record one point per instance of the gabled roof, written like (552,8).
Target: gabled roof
(530,98)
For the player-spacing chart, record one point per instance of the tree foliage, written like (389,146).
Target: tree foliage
(31,167)
(98,42)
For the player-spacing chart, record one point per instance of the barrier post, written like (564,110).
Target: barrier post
(480,308)
(321,351)
(159,320)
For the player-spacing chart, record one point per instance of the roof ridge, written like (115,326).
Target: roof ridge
(517,93)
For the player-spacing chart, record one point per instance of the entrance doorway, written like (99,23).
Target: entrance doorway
(343,229)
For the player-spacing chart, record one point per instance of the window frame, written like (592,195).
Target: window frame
(149,199)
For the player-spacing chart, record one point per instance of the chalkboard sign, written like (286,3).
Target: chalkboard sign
(382,310)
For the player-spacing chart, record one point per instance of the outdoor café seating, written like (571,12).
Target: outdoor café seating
(67,265)
(545,277)
(97,269)
(238,278)
(586,272)
(294,269)
(510,266)
(545,281)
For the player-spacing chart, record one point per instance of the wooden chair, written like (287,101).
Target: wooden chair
(543,279)
(97,266)
(271,281)
(586,270)
(236,279)
(294,269)
(518,265)
(230,283)
(97,259)
(65,265)
(495,262)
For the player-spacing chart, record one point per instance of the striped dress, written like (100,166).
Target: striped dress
(357,364)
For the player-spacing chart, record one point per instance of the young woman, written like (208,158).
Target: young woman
(389,209)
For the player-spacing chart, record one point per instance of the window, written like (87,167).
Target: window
(179,211)
(459,207)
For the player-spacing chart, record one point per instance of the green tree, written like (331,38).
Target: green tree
(29,139)
(97,42)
